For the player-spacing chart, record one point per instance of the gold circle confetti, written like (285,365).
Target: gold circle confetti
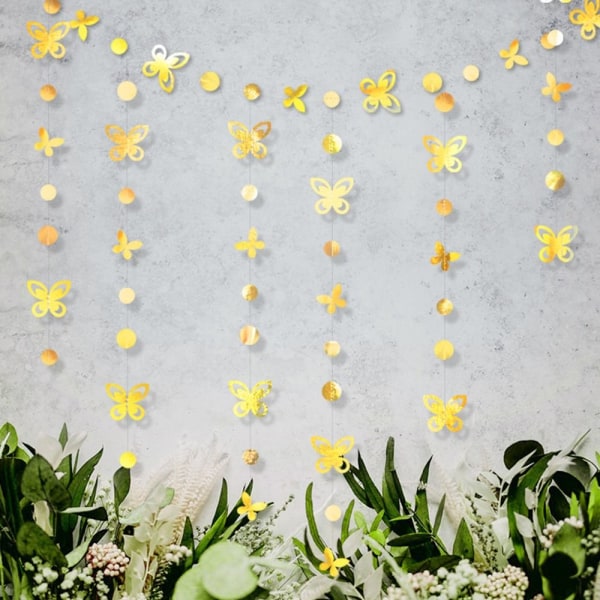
(332,143)
(332,391)
(47,93)
(433,82)
(249,292)
(444,102)
(444,306)
(126,295)
(250,456)
(443,207)
(52,7)
(331,248)
(333,513)
(332,348)
(249,335)
(127,91)
(210,81)
(119,46)
(471,73)
(249,192)
(126,338)
(331,99)
(555,137)
(555,180)
(555,37)
(48,192)
(252,92)
(545,42)
(47,235)
(126,195)
(49,357)
(443,349)
(128,460)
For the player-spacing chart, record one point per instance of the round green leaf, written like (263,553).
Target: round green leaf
(189,586)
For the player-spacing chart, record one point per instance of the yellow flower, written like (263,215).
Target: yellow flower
(511,56)
(252,244)
(82,22)
(589,18)
(331,563)
(46,143)
(250,508)
(334,301)
(293,97)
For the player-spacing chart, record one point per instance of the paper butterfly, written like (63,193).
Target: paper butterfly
(48,41)
(553,88)
(126,143)
(125,247)
(46,143)
(511,56)
(378,94)
(556,244)
(332,198)
(442,257)
(250,400)
(251,245)
(249,141)
(334,301)
(589,18)
(162,64)
(444,415)
(127,402)
(444,156)
(82,22)
(332,456)
(293,97)
(48,301)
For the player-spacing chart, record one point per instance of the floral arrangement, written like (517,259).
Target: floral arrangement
(532,532)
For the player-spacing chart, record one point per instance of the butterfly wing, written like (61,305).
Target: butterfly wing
(323,447)
(57,32)
(135,135)
(453,147)
(241,391)
(435,405)
(439,253)
(548,237)
(454,406)
(39,291)
(340,189)
(136,394)
(434,145)
(565,236)
(118,136)
(118,394)
(240,132)
(259,132)
(258,392)
(58,290)
(177,60)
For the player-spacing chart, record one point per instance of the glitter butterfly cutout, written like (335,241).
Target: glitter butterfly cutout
(49,300)
(162,65)
(125,247)
(249,140)
(126,144)
(555,89)
(334,301)
(46,144)
(332,457)
(588,18)
(127,401)
(442,257)
(556,244)
(444,415)
(250,400)
(511,56)
(444,155)
(378,94)
(47,42)
(332,198)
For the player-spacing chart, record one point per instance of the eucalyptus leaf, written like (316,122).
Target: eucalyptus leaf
(372,585)
(315,588)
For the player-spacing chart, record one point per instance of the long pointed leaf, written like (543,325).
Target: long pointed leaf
(310,517)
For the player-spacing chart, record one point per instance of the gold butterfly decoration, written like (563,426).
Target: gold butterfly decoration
(46,144)
(444,156)
(442,257)
(48,42)
(556,244)
(125,248)
(555,89)
(378,94)
(82,22)
(249,140)
(332,198)
(588,18)
(334,301)
(162,65)
(511,56)
(444,415)
(251,245)
(332,457)
(293,97)
(126,144)
(127,401)
(250,400)
(48,301)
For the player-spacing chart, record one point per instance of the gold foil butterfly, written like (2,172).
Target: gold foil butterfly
(378,94)
(332,457)
(556,245)
(162,65)
(588,18)
(82,22)
(334,301)
(48,41)
(49,300)
(46,143)
(249,140)
(251,245)
(444,415)
(126,144)
(444,155)
(127,402)
(125,247)
(250,400)
(555,89)
(511,56)
(332,197)
(442,257)
(293,97)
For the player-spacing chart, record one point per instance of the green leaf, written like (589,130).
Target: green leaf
(568,540)
(346,521)
(9,440)
(594,504)
(222,506)
(213,533)
(432,564)
(11,474)
(559,570)
(438,515)
(97,513)
(463,542)
(351,477)
(189,586)
(187,540)
(519,450)
(32,540)
(310,517)
(410,539)
(421,503)
(374,497)
(121,486)
(63,436)
(40,483)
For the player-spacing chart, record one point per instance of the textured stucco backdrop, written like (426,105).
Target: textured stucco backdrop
(526,334)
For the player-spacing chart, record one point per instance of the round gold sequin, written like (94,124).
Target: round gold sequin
(252,92)
(331,99)
(47,93)
(47,235)
(443,207)
(471,73)
(332,348)
(210,81)
(444,306)
(126,295)
(249,335)
(119,46)
(555,180)
(333,513)
(545,42)
(127,91)
(48,192)
(443,349)
(126,195)
(432,82)
(249,192)
(332,143)
(250,456)
(128,460)
(555,137)
(444,102)
(555,38)
(249,292)
(331,248)
(126,338)
(49,357)
(332,391)
(52,7)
